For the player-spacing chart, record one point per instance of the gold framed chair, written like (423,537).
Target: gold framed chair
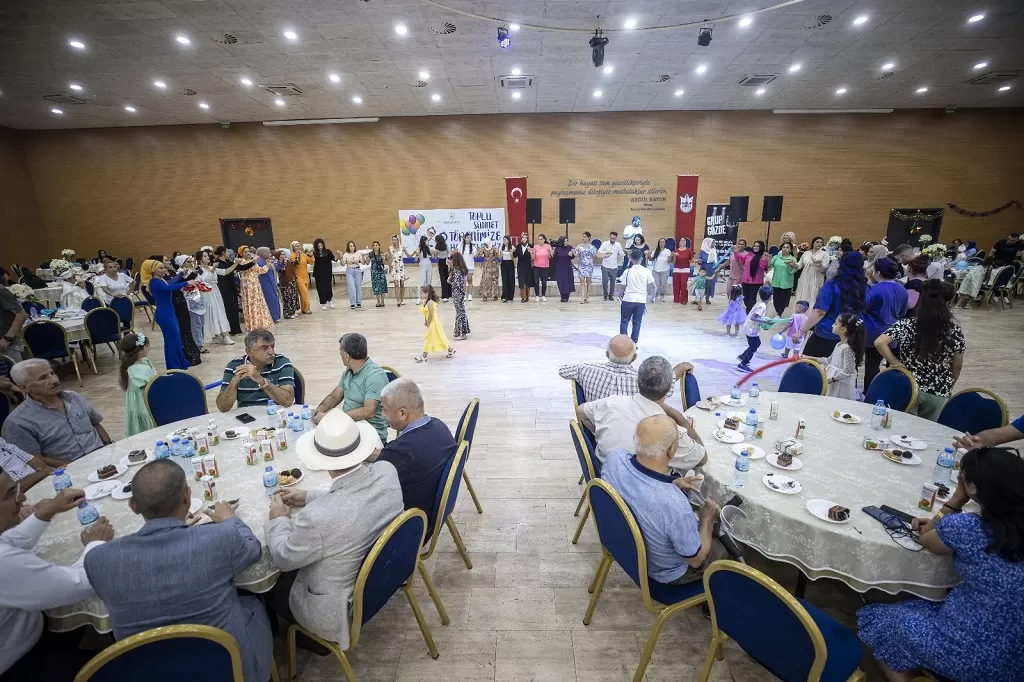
(973,410)
(466,430)
(400,541)
(48,340)
(391,372)
(803,376)
(890,387)
(578,399)
(299,388)
(174,395)
(590,471)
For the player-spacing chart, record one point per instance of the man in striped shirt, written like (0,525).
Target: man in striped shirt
(617,376)
(258,376)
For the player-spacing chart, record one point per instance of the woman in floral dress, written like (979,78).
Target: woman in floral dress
(396,265)
(585,252)
(457,276)
(378,278)
(287,269)
(255,312)
(489,272)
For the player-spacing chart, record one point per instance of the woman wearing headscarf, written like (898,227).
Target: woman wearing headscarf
(254,306)
(844,294)
(188,310)
(286,267)
(874,253)
(268,281)
(709,261)
(563,269)
(153,274)
(812,266)
(323,273)
(226,266)
(301,261)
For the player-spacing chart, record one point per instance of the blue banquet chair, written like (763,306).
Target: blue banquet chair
(391,373)
(464,434)
(691,391)
(198,653)
(49,341)
(139,300)
(125,309)
(390,566)
(999,288)
(129,264)
(104,326)
(804,376)
(5,409)
(300,387)
(91,303)
(894,386)
(578,398)
(622,543)
(591,469)
(174,395)
(789,637)
(973,410)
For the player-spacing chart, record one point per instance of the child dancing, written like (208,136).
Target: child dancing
(733,315)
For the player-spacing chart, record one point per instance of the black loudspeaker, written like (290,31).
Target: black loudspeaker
(772,210)
(533,211)
(566,211)
(738,208)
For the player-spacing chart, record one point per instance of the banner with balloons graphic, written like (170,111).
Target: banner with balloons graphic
(486,225)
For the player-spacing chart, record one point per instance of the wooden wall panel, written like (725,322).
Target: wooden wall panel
(24,238)
(143,190)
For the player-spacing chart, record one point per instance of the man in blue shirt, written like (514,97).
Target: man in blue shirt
(679,544)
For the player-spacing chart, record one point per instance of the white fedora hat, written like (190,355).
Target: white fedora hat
(338,442)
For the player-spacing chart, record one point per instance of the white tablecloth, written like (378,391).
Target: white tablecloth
(61,544)
(837,468)
(45,274)
(75,328)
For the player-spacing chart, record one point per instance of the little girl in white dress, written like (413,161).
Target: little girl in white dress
(841,366)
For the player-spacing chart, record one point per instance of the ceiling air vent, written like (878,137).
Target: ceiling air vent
(226,39)
(64,99)
(420,84)
(663,78)
(994,77)
(283,89)
(515,82)
(188,92)
(886,74)
(757,80)
(446,29)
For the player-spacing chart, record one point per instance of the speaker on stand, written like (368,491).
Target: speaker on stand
(771,211)
(567,213)
(533,215)
(738,208)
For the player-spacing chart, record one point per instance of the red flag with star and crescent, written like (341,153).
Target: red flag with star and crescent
(515,198)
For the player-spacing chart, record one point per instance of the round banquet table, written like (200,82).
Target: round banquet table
(836,467)
(61,545)
(50,296)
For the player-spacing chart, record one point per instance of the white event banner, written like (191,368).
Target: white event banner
(486,225)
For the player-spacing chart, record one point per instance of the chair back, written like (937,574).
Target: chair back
(973,410)
(47,340)
(174,395)
(691,390)
(590,465)
(447,493)
(577,394)
(125,309)
(390,564)
(391,373)
(91,302)
(29,306)
(6,363)
(1004,277)
(773,250)
(198,653)
(467,425)
(25,272)
(104,325)
(300,386)
(765,621)
(894,386)
(5,408)
(129,264)
(148,296)
(90,287)
(804,376)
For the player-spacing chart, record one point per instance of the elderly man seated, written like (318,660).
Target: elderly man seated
(259,376)
(360,388)
(680,546)
(613,420)
(59,425)
(25,469)
(599,380)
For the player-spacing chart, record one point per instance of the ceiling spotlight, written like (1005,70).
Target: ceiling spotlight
(291,35)
(401,29)
(980,65)
(335,78)
(597,93)
(597,44)
(862,19)
(1004,88)
(129,108)
(704,37)
(75,86)
(516,71)
(921,90)
(245,81)
(424,75)
(678,93)
(701,69)
(746,21)
(516,95)
(888,65)
(435,97)
(841,91)
(279,102)
(357,99)
(513,27)
(794,68)
(503,39)
(182,39)
(57,111)
(608,69)
(78,45)
(975,19)
(629,23)
(204,105)
(759,91)
(160,84)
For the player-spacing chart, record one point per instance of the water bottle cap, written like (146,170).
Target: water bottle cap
(755,383)
(160,442)
(291,414)
(270,402)
(752,409)
(880,402)
(82,504)
(58,472)
(175,440)
(949,450)
(269,468)
(305,405)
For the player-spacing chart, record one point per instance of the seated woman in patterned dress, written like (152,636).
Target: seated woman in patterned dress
(978,632)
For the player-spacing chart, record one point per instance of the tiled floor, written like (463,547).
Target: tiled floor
(517,615)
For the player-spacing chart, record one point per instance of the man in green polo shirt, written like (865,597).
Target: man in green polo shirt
(258,376)
(360,387)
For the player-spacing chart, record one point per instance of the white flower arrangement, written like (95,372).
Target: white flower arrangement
(925,239)
(68,254)
(835,240)
(59,266)
(22,292)
(308,248)
(934,250)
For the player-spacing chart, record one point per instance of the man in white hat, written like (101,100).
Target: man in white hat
(319,538)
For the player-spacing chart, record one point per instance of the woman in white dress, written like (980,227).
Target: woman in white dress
(111,283)
(215,324)
(812,268)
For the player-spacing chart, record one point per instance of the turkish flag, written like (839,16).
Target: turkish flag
(686,203)
(515,198)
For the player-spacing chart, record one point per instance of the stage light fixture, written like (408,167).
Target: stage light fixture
(503,39)
(704,37)
(597,44)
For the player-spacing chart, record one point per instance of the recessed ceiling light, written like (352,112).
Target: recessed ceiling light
(435,97)
(888,65)
(279,102)
(629,23)
(291,35)
(204,105)
(981,65)
(129,108)
(678,93)
(841,91)
(701,69)
(77,44)
(1004,88)
(516,95)
(608,69)
(401,29)
(424,75)
(513,27)
(516,71)
(759,91)
(160,84)
(75,86)
(921,90)
(357,99)
(862,19)
(245,81)
(57,111)
(597,93)
(746,21)
(182,39)
(335,78)
(794,68)
(975,18)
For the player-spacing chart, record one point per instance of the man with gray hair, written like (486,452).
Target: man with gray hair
(259,376)
(168,573)
(422,450)
(360,388)
(617,376)
(60,426)
(613,420)
(679,546)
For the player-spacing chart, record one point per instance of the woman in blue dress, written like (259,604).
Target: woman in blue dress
(154,272)
(268,283)
(978,632)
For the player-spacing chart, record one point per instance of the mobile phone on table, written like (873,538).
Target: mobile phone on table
(245,418)
(885,518)
(901,515)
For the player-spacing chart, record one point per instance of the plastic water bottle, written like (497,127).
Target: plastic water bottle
(271,408)
(755,393)
(735,395)
(878,415)
(61,480)
(188,449)
(269,480)
(943,467)
(741,470)
(87,513)
(175,447)
(751,423)
(162,451)
(295,422)
(307,416)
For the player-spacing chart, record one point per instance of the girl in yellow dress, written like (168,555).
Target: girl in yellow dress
(434,341)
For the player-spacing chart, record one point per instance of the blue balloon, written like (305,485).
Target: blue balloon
(778,342)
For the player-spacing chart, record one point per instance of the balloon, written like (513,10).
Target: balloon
(778,342)
(420,218)
(412,219)
(402,223)
(405,230)
(413,228)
